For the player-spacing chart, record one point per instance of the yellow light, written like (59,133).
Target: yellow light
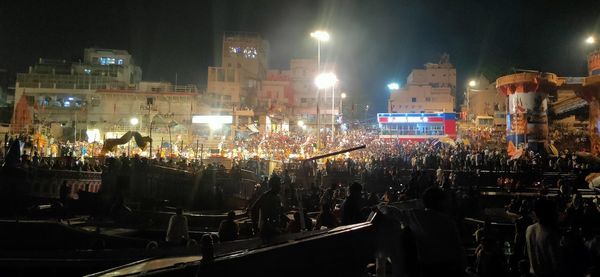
(320,35)
(343,95)
(472,83)
(300,123)
(590,40)
(134,121)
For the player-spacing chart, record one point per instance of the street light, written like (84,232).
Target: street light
(319,35)
(472,83)
(325,80)
(300,123)
(393,86)
(133,121)
(342,97)
(590,40)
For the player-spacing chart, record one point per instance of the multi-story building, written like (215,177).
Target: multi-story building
(302,75)
(277,94)
(431,89)
(101,95)
(59,91)
(482,100)
(237,81)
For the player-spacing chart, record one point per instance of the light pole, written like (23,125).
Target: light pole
(133,121)
(319,36)
(472,84)
(342,97)
(324,81)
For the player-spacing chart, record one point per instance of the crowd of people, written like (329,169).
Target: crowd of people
(552,235)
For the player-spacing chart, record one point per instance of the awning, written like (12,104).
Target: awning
(253,128)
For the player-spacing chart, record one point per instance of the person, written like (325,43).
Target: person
(294,224)
(439,176)
(229,229)
(352,206)
(270,210)
(434,237)
(489,259)
(64,192)
(326,218)
(542,241)
(177,232)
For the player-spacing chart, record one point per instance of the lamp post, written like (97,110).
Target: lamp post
(472,84)
(324,81)
(319,36)
(342,97)
(133,121)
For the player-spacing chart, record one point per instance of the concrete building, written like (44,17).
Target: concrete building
(482,100)
(277,94)
(244,64)
(432,89)
(59,91)
(97,98)
(302,75)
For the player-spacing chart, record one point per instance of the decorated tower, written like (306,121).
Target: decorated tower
(527,115)
(590,91)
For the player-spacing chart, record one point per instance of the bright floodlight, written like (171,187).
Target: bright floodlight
(343,95)
(320,35)
(590,40)
(134,121)
(301,123)
(472,83)
(325,80)
(393,86)
(215,125)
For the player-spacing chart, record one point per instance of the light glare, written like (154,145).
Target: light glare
(320,35)
(590,40)
(393,86)
(325,80)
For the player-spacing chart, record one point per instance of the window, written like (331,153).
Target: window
(427,99)
(414,99)
(120,61)
(149,101)
(107,60)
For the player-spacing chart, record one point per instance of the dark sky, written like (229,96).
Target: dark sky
(373,41)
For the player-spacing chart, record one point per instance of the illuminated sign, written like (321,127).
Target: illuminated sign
(407,119)
(212,119)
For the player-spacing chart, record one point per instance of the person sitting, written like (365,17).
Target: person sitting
(229,229)
(177,232)
(294,224)
(326,218)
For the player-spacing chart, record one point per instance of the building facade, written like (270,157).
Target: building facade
(432,89)
(483,100)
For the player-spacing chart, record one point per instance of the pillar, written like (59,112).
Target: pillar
(590,91)
(527,115)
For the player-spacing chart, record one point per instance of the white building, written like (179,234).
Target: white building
(431,89)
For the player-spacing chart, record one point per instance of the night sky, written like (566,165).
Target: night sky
(373,42)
